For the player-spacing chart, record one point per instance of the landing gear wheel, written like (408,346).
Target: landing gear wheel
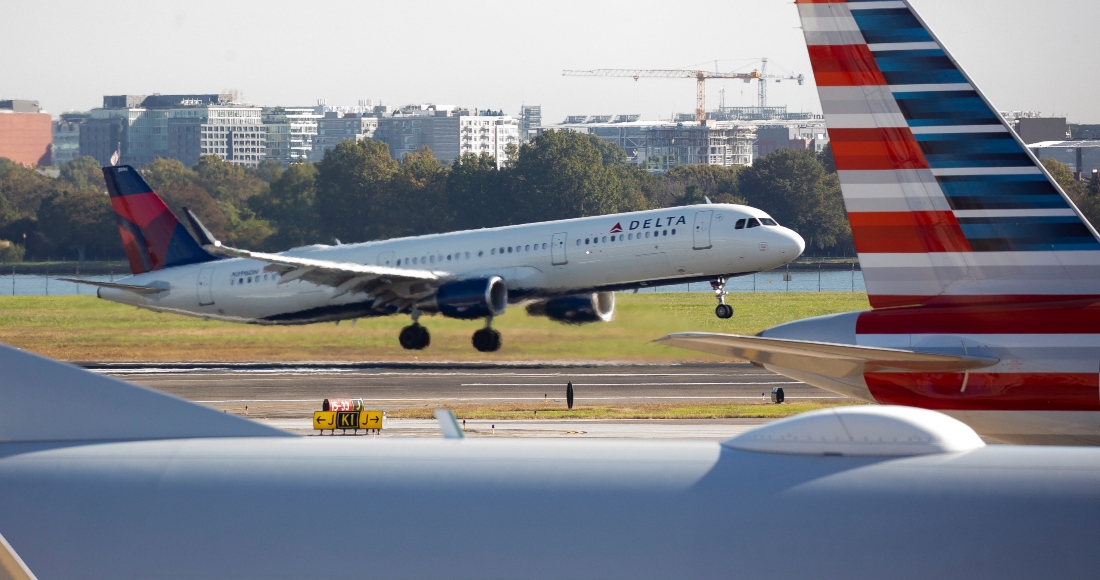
(724,311)
(414,337)
(487,340)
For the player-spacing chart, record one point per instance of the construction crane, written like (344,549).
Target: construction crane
(700,76)
(762,94)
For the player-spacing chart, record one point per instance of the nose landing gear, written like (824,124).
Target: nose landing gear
(723,310)
(487,339)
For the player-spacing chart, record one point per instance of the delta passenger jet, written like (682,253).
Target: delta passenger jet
(983,276)
(566,270)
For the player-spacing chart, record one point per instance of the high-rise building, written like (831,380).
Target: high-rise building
(335,127)
(530,121)
(66,137)
(26,134)
(449,132)
(290,132)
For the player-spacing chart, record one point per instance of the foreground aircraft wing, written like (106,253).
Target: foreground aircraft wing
(135,288)
(344,276)
(823,358)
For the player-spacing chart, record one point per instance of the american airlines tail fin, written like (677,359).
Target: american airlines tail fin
(35,389)
(947,204)
(152,235)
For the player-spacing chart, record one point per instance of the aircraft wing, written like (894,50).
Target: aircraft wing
(823,358)
(393,285)
(135,288)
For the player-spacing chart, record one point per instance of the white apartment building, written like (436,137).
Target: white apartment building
(449,132)
(290,132)
(336,127)
(235,133)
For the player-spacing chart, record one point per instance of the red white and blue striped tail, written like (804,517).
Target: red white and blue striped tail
(946,203)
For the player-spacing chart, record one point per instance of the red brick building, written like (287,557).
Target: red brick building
(26,135)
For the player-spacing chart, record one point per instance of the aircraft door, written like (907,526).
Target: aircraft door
(206,286)
(702,229)
(557,250)
(385,259)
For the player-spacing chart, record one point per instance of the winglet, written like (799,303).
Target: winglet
(97,408)
(205,237)
(448,424)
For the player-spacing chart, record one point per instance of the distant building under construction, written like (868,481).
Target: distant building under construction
(721,144)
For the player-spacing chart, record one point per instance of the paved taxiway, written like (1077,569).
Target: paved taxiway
(286,394)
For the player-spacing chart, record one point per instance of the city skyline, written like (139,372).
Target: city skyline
(498,55)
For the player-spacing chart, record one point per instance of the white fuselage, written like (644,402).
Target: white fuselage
(613,252)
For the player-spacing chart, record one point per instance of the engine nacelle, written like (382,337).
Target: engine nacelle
(580,309)
(470,299)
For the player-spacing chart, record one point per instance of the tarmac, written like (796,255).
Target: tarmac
(285,395)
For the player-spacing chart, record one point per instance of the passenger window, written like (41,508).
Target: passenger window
(502,250)
(674,231)
(740,225)
(596,240)
(480,253)
(493,251)
(647,234)
(586,240)
(753,223)
(578,241)
(509,249)
(250,279)
(528,248)
(398,262)
(630,237)
(432,259)
(467,255)
(605,239)
(768,222)
(544,246)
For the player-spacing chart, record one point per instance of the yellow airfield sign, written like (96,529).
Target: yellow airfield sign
(331,420)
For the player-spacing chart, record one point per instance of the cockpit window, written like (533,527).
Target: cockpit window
(753,223)
(768,222)
(740,225)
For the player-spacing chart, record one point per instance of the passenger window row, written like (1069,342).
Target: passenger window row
(621,237)
(423,260)
(248,279)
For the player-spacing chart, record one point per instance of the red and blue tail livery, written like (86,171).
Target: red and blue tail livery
(946,203)
(983,277)
(152,235)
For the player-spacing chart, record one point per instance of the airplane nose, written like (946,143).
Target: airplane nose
(793,242)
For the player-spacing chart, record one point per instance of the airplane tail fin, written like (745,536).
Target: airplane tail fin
(152,235)
(947,204)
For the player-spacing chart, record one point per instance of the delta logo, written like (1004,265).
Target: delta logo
(617,229)
(650,223)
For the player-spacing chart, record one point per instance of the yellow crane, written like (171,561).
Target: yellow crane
(700,76)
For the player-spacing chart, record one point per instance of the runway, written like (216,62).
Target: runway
(285,395)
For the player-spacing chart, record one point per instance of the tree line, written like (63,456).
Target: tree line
(358,192)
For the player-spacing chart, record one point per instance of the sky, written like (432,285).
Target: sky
(502,54)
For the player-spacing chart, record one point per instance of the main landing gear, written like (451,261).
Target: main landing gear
(414,336)
(723,310)
(487,339)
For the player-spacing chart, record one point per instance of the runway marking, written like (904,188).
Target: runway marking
(406,400)
(367,373)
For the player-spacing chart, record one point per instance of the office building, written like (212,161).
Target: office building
(290,132)
(335,127)
(26,133)
(66,137)
(449,132)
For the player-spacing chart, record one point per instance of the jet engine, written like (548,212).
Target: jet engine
(470,299)
(579,309)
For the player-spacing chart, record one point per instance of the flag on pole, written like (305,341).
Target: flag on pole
(114,158)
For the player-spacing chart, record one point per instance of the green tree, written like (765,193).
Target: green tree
(1064,176)
(23,187)
(164,172)
(825,158)
(795,189)
(704,181)
(84,173)
(560,175)
(417,198)
(244,228)
(78,220)
(476,193)
(353,190)
(267,171)
(1089,202)
(226,181)
(289,207)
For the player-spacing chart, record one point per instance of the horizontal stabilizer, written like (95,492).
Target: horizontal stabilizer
(822,358)
(45,400)
(135,288)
